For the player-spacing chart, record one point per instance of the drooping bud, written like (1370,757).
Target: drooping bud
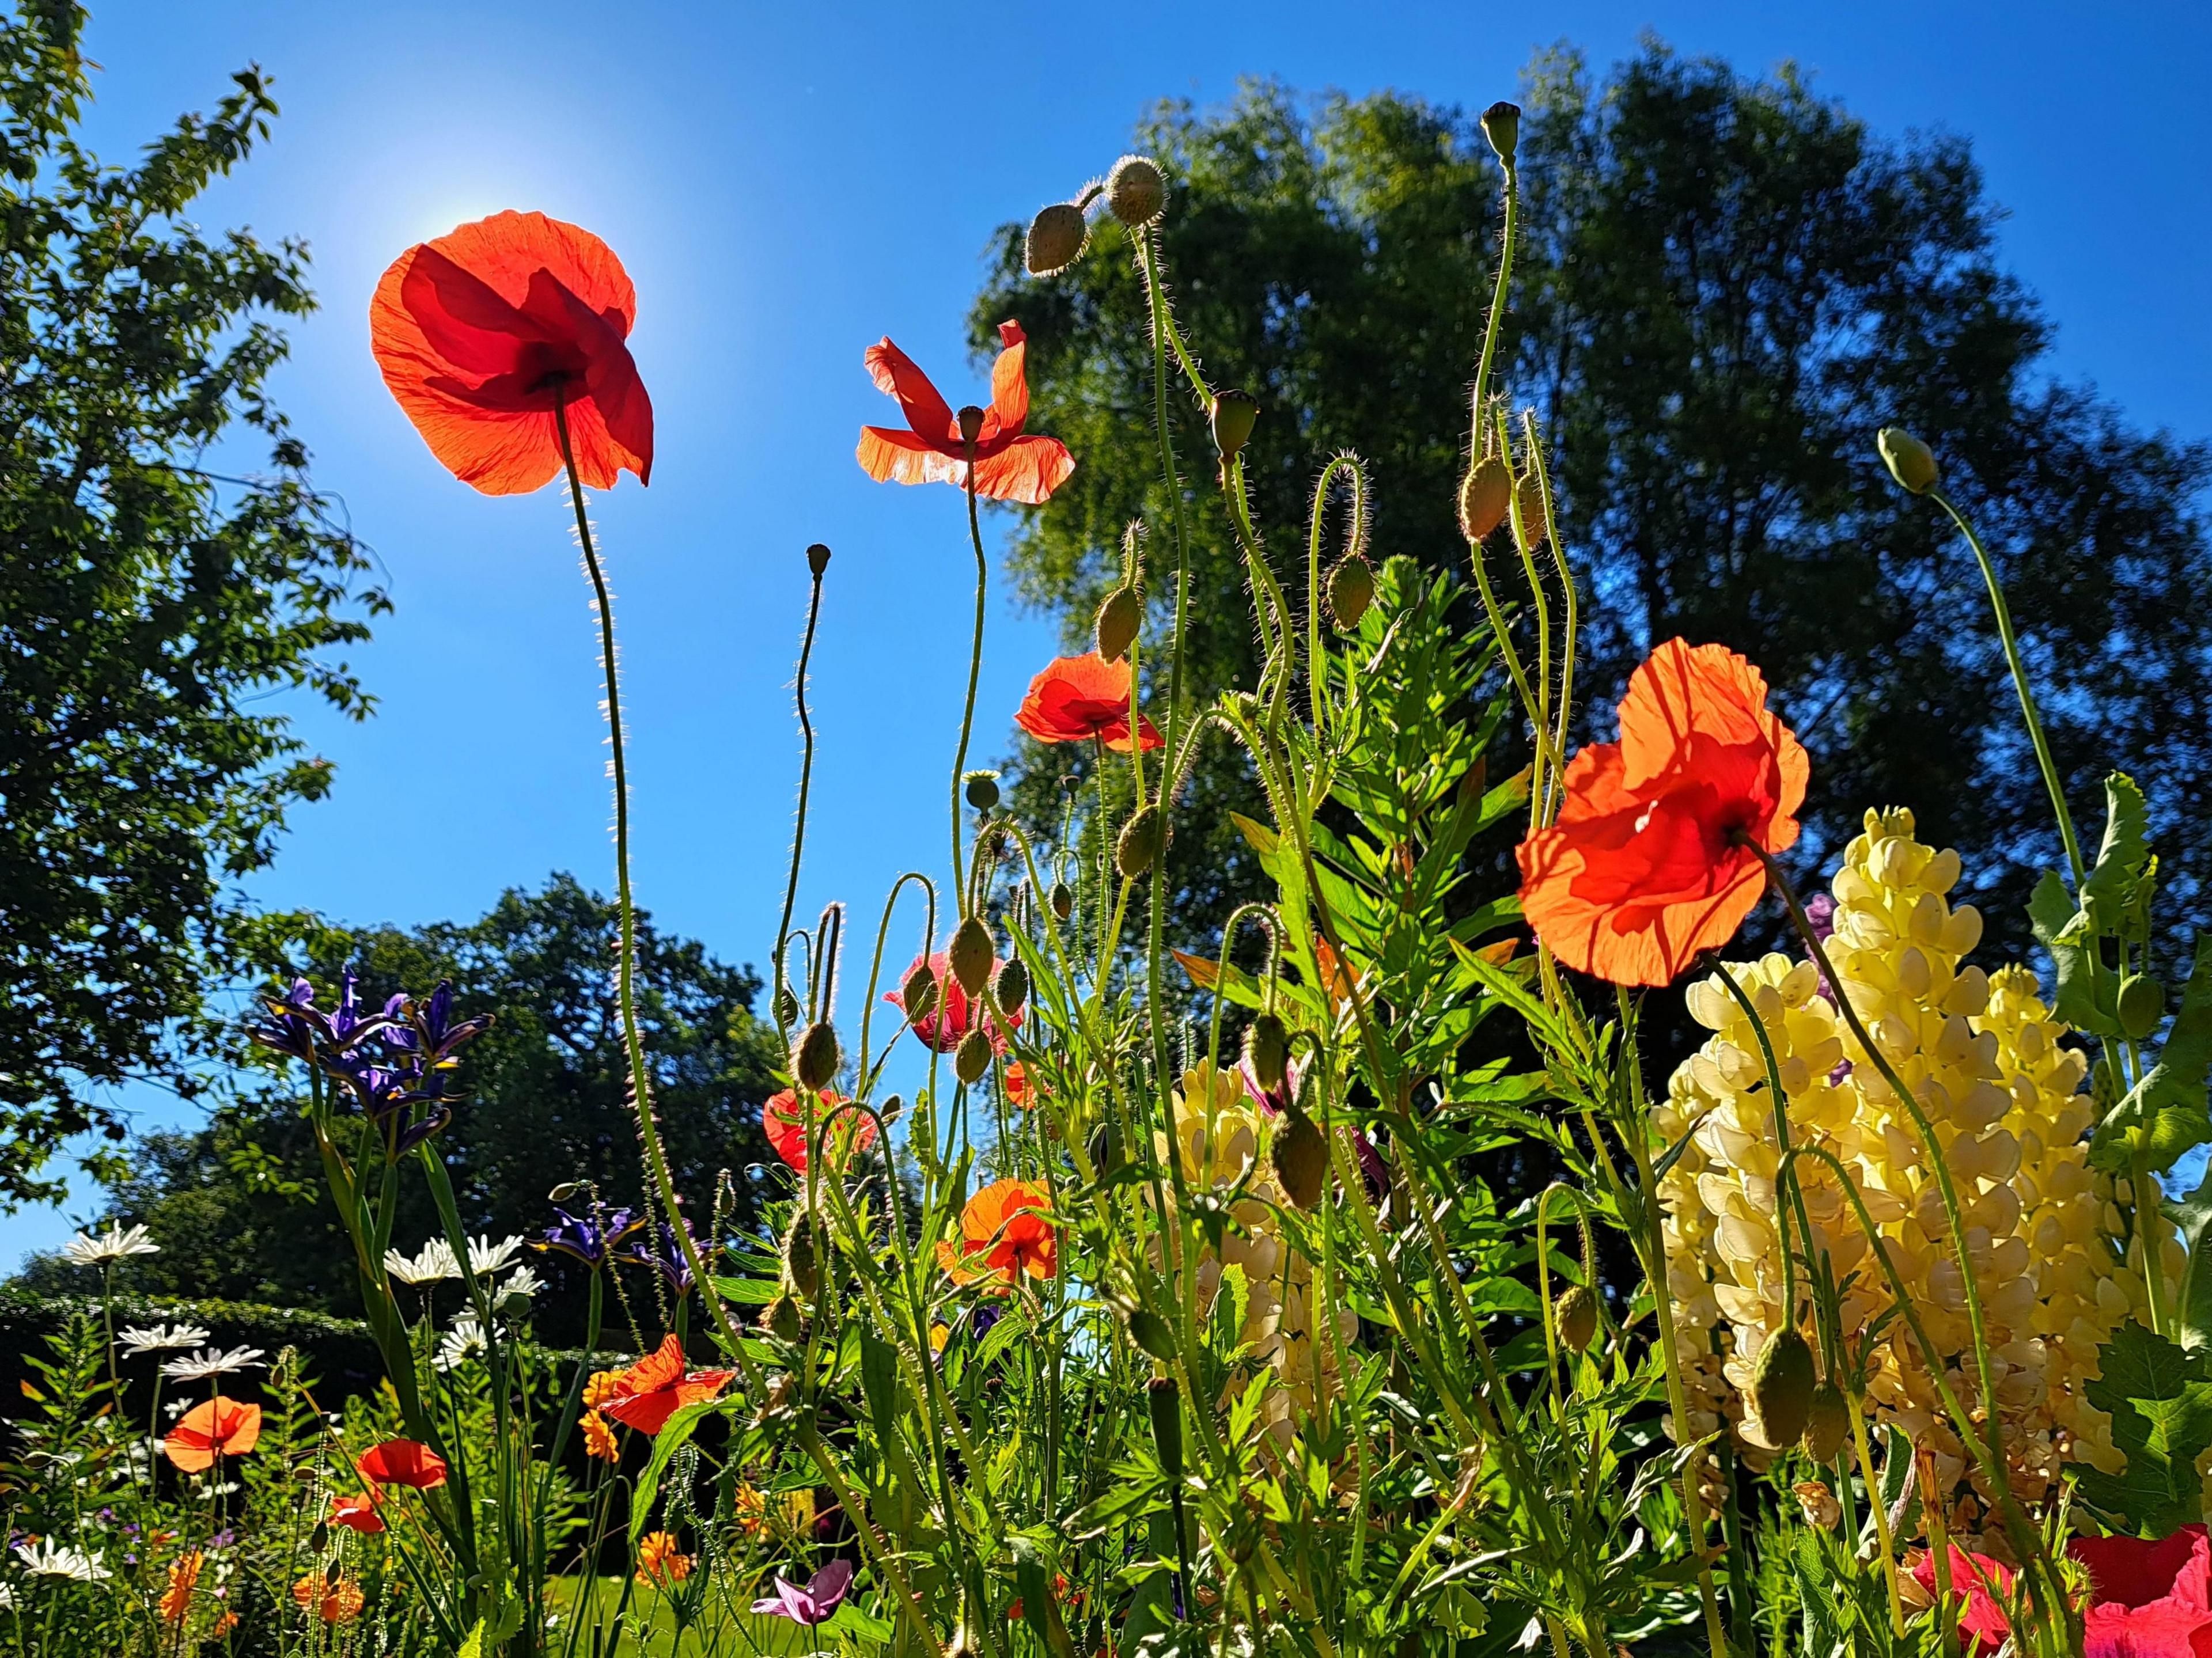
(1164,1405)
(918,995)
(1151,1333)
(981,788)
(800,1269)
(1105,1148)
(971,953)
(1532,511)
(1486,495)
(1300,1152)
(1574,1315)
(814,1061)
(1350,590)
(1135,191)
(971,424)
(818,558)
(1501,124)
(1234,415)
(1055,239)
(787,1005)
(1010,987)
(973,1057)
(2141,1005)
(781,1319)
(1910,462)
(1782,1388)
(1119,617)
(564,1191)
(1139,846)
(1062,898)
(1267,1051)
(1827,1423)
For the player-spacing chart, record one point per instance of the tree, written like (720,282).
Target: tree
(239,1208)
(1726,286)
(148,603)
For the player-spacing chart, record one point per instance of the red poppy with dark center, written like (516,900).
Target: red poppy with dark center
(1648,864)
(401,1462)
(219,1428)
(484,333)
(944,1026)
(2148,1599)
(650,1392)
(1010,464)
(1004,1233)
(1076,698)
(357,1511)
(785,1124)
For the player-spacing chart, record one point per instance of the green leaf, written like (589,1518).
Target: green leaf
(473,1646)
(673,1434)
(2161,1402)
(2120,859)
(2167,1113)
(2193,1216)
(2059,928)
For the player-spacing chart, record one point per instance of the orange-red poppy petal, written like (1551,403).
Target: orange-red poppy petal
(406,1462)
(215,1428)
(1010,385)
(897,376)
(1028,470)
(889,455)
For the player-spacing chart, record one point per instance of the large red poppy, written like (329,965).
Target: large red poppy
(401,1462)
(483,333)
(785,1124)
(1076,698)
(654,1388)
(944,1026)
(1009,465)
(220,1427)
(1646,866)
(1003,1234)
(2146,1599)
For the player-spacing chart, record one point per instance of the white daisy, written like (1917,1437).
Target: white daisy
(52,1559)
(486,1257)
(161,1337)
(522,1281)
(433,1264)
(104,1248)
(208,1362)
(461,1343)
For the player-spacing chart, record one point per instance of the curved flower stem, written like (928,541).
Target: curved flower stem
(648,1131)
(1497,314)
(974,673)
(799,835)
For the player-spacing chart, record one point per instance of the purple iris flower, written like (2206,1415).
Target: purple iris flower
(661,1251)
(590,1238)
(815,1604)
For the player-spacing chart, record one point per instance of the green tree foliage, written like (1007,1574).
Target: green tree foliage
(239,1207)
(148,604)
(1727,285)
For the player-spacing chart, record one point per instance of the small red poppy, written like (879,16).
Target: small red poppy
(650,1392)
(1009,465)
(946,1024)
(1076,698)
(786,1126)
(401,1462)
(219,1428)
(357,1511)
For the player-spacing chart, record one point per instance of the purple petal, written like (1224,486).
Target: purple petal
(830,1586)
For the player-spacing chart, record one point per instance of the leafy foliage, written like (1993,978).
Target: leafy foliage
(2160,1401)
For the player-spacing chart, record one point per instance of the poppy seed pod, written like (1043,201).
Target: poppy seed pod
(2141,1005)
(1010,988)
(787,1005)
(1782,1388)
(1486,495)
(981,788)
(1135,191)
(814,1061)
(1119,617)
(1350,590)
(1574,1315)
(918,995)
(1233,416)
(971,423)
(1910,462)
(1827,1423)
(800,1270)
(1501,124)
(779,1318)
(1300,1152)
(1267,1051)
(818,558)
(1138,846)
(1055,239)
(971,953)
(1062,898)
(972,1058)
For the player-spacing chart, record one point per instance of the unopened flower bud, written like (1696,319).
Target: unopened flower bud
(971,424)
(1486,495)
(787,1005)
(1135,191)
(971,953)
(1151,1333)
(918,995)
(1910,462)
(1827,1423)
(981,788)
(564,1191)
(800,1270)
(1574,1313)
(1138,846)
(1300,1152)
(1782,1388)
(1233,416)
(1501,124)
(972,1058)
(779,1318)
(1531,500)
(1350,590)
(2141,1005)
(818,558)
(1119,617)
(1062,898)
(1267,1051)
(814,1061)
(1055,239)
(1010,987)
(1164,1405)
(1105,1148)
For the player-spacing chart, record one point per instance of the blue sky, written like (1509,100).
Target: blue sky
(787,183)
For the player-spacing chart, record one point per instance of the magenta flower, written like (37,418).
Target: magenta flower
(815,1604)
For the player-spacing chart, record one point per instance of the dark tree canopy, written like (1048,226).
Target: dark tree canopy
(147,606)
(1726,286)
(239,1207)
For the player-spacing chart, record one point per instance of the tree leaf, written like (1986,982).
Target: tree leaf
(2161,1402)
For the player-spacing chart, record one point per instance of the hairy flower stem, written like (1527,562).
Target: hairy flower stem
(975,674)
(648,1131)
(1497,314)
(799,835)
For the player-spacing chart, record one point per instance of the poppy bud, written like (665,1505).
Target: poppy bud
(564,1191)
(918,995)
(2141,1005)
(1152,1335)
(1782,1388)
(1010,987)
(1267,1051)
(814,1061)
(818,558)
(1910,462)
(1485,495)
(1138,848)
(1063,897)
(971,423)
(1532,512)
(779,1318)
(1827,1424)
(800,1270)
(1119,617)
(1105,1148)
(1501,124)
(981,788)
(1350,590)
(1135,191)
(1166,1408)
(1055,239)
(1474,783)
(1233,415)
(787,1005)
(1574,1315)
(1300,1152)
(319,1538)
(972,1058)
(971,953)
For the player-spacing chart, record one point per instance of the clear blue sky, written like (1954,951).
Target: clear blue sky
(787,183)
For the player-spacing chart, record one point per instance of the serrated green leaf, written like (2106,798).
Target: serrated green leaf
(2120,859)
(673,1437)
(2166,1112)
(2193,1216)
(2161,1402)
(2053,915)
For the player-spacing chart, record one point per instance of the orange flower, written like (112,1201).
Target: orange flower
(401,1462)
(599,1439)
(1009,466)
(1079,697)
(1003,1234)
(222,1626)
(334,1603)
(483,333)
(1648,864)
(1017,1085)
(184,1578)
(785,1126)
(221,1427)
(601,1387)
(658,1561)
(654,1388)
(357,1511)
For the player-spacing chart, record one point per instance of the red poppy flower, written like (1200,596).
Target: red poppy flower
(2148,1600)
(1080,697)
(401,1462)
(1009,465)
(1003,1234)
(1646,866)
(221,1427)
(654,1388)
(1017,1084)
(946,1024)
(786,1126)
(483,333)
(357,1511)
(1979,1582)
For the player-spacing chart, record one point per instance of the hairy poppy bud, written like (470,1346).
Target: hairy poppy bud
(1267,1051)
(973,1057)
(818,558)
(1501,124)
(779,1318)
(1300,1152)
(2141,1005)
(1486,495)
(1151,1333)
(1063,897)
(800,1270)
(981,788)
(1910,462)
(1827,1423)
(1164,1406)
(1233,416)
(971,953)
(814,1061)
(1105,1148)
(1135,191)
(1119,617)
(1574,1315)
(1782,1388)
(1531,498)
(1010,987)
(1350,590)
(787,1005)
(1055,239)
(564,1191)
(971,424)
(1138,848)
(918,995)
